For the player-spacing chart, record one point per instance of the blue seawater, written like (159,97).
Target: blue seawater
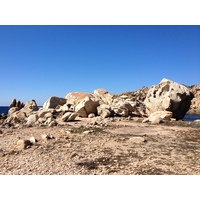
(191,117)
(4,109)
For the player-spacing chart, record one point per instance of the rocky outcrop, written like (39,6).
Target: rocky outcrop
(195,103)
(168,96)
(166,100)
(15,103)
(17,115)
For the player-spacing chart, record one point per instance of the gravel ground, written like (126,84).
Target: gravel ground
(122,147)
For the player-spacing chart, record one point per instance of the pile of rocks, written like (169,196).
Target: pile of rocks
(18,113)
(58,110)
(161,102)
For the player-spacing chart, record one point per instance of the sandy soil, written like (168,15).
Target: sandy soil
(114,147)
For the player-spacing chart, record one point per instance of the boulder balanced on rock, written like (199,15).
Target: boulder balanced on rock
(168,96)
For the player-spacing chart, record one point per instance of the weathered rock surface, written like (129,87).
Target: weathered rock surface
(53,102)
(74,98)
(103,111)
(32,119)
(86,106)
(158,117)
(15,103)
(69,116)
(136,100)
(17,115)
(23,144)
(29,107)
(195,103)
(102,96)
(168,96)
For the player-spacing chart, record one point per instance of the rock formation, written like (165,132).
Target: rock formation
(168,96)
(15,103)
(161,102)
(195,103)
(17,114)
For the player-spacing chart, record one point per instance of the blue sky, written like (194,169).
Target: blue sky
(37,62)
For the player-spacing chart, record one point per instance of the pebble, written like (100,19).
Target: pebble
(23,144)
(32,140)
(46,136)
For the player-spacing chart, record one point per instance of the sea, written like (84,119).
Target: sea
(188,117)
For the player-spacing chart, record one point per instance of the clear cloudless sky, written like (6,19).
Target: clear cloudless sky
(37,62)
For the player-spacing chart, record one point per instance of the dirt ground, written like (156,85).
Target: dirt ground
(122,147)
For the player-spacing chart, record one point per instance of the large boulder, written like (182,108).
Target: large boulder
(86,106)
(29,108)
(103,111)
(32,119)
(102,96)
(17,115)
(69,116)
(195,104)
(53,102)
(74,98)
(168,96)
(159,116)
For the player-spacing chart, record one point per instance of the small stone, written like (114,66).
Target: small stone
(38,151)
(91,115)
(46,137)
(89,131)
(138,139)
(73,154)
(67,132)
(86,132)
(23,144)
(32,140)
(52,123)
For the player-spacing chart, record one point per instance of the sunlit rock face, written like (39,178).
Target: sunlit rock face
(195,104)
(168,96)
(53,102)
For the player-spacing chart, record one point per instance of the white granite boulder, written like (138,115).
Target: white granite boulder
(86,106)
(53,102)
(168,96)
